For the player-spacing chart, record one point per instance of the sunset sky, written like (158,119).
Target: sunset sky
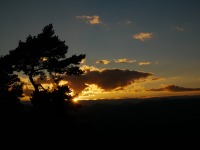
(134,48)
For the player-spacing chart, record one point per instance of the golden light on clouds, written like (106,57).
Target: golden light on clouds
(124,60)
(144,63)
(83,61)
(63,82)
(93,92)
(86,68)
(115,84)
(143,36)
(105,83)
(142,88)
(93,20)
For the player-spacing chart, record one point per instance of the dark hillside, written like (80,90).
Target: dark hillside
(149,120)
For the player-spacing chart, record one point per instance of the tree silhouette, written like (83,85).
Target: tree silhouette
(10,87)
(44,56)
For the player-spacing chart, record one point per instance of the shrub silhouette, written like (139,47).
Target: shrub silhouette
(44,57)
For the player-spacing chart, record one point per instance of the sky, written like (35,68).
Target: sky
(134,48)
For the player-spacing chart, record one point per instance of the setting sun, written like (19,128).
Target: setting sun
(75,100)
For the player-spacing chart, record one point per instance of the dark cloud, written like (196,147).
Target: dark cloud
(104,61)
(108,79)
(77,83)
(174,88)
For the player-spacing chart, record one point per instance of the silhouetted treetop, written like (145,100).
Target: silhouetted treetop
(45,55)
(42,56)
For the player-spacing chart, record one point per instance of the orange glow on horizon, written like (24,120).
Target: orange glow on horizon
(138,89)
(63,82)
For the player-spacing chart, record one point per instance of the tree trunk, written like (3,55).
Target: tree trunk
(34,84)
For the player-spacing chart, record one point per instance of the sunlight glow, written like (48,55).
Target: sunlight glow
(75,100)
(63,82)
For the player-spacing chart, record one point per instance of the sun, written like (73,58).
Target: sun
(75,100)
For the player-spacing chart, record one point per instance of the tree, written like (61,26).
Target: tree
(44,56)
(10,87)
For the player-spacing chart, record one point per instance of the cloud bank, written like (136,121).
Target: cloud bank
(174,88)
(107,79)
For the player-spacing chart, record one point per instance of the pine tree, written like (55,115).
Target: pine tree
(44,56)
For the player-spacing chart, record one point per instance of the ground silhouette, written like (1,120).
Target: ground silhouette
(152,122)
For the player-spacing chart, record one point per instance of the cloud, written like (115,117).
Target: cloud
(174,88)
(27,91)
(121,60)
(179,29)
(143,36)
(144,63)
(105,62)
(107,79)
(93,20)
(47,81)
(124,60)
(86,68)
(83,61)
